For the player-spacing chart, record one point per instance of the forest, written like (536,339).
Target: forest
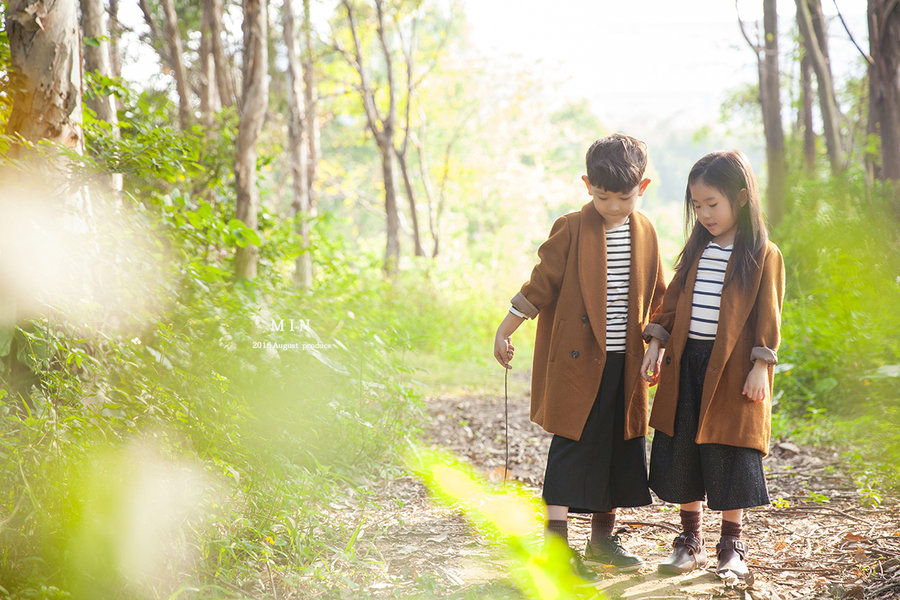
(253,255)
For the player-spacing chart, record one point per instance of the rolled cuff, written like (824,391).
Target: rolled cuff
(656,330)
(521,315)
(521,304)
(763,353)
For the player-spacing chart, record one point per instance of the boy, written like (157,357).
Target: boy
(598,282)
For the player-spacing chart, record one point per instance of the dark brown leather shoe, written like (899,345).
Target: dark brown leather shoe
(732,554)
(688,554)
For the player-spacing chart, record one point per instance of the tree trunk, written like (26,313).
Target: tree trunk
(311,124)
(884,83)
(410,194)
(392,256)
(45,73)
(97,56)
(97,60)
(806,115)
(382,127)
(115,34)
(45,89)
(224,77)
(770,100)
(254,100)
(176,55)
(817,50)
(392,249)
(297,144)
(404,147)
(207,68)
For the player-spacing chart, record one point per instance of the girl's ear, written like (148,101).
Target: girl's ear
(586,183)
(743,197)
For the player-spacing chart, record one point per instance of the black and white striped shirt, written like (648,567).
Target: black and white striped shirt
(618,266)
(708,292)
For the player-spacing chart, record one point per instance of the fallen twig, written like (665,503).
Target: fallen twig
(796,569)
(885,588)
(835,510)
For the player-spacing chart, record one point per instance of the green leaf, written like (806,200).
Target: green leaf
(6,337)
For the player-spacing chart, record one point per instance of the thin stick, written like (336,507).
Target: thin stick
(852,39)
(794,569)
(836,510)
(506,419)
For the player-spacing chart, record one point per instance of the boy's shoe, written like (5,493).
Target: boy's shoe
(582,570)
(609,551)
(732,554)
(688,554)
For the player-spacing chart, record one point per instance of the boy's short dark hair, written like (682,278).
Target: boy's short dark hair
(616,163)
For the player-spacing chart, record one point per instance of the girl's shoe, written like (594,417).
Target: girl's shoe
(688,554)
(609,551)
(732,554)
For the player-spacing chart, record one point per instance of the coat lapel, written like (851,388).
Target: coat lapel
(637,283)
(592,269)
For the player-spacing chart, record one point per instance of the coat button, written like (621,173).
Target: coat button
(668,359)
(584,319)
(574,353)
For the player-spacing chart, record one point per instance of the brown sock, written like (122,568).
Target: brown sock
(690,522)
(730,528)
(602,525)
(558,527)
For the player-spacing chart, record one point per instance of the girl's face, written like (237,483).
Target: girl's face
(713,210)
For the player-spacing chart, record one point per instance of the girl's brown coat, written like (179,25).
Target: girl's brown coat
(748,330)
(568,291)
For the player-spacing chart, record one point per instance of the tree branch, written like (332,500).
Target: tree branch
(392,96)
(368,98)
(852,39)
(754,47)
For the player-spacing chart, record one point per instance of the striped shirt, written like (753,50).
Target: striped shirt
(708,292)
(618,266)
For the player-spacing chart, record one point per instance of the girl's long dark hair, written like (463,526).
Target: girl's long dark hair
(731,174)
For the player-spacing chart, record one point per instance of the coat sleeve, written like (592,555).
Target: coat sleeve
(768,308)
(663,320)
(546,277)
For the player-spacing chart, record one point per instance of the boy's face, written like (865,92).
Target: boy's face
(615,207)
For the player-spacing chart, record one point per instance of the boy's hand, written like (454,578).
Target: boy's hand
(757,384)
(503,349)
(651,363)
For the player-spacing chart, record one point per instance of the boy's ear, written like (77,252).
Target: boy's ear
(586,183)
(743,197)
(643,186)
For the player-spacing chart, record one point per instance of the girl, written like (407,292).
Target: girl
(719,325)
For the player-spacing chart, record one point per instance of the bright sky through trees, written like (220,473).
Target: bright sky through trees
(648,60)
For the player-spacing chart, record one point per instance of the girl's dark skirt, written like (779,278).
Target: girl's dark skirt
(601,471)
(682,471)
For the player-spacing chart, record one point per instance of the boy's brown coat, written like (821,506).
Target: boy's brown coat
(567,290)
(749,323)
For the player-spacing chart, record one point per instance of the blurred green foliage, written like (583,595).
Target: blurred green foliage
(511,518)
(839,364)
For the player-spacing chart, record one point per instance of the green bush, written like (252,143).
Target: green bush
(840,354)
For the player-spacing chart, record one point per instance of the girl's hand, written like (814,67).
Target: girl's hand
(757,385)
(651,363)
(503,349)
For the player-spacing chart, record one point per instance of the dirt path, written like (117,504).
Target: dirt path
(814,541)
